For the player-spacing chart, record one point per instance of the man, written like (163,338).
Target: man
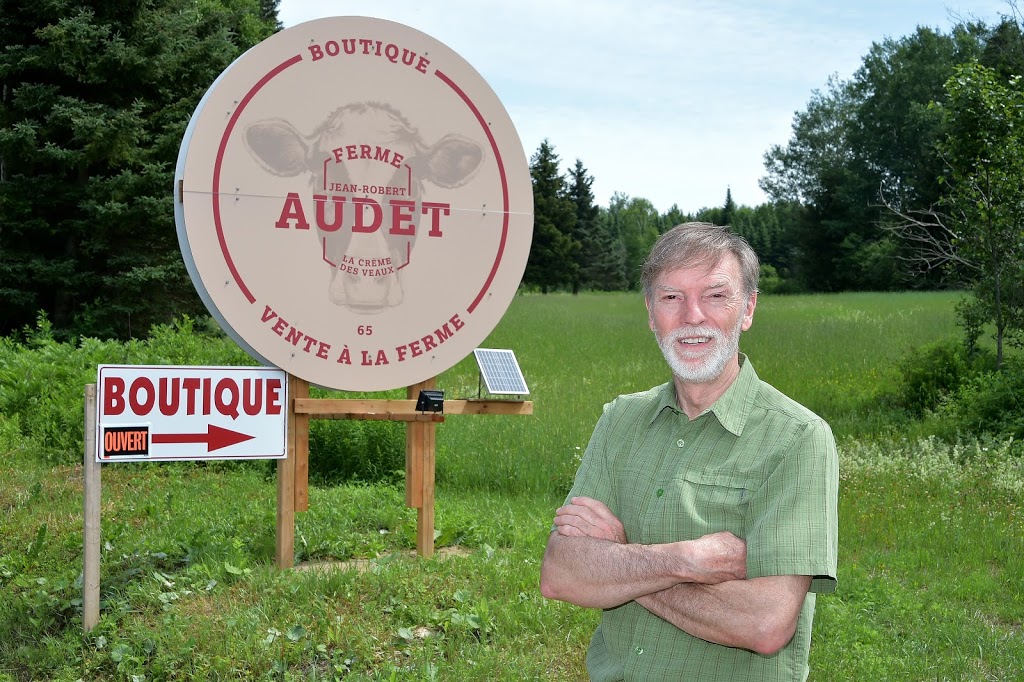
(703,517)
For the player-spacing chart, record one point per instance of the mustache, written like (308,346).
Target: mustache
(689,332)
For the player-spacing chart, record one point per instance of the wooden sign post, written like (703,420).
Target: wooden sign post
(420,447)
(91,531)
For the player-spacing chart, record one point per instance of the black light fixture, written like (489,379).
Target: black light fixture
(430,401)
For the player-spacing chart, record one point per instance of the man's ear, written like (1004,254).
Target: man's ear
(748,314)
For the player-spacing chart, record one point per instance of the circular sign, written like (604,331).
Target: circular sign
(353,204)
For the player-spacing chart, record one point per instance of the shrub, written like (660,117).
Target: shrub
(772,281)
(932,372)
(989,403)
(42,387)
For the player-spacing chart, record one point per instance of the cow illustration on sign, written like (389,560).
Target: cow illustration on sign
(368,168)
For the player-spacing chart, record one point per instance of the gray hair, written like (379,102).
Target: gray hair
(691,243)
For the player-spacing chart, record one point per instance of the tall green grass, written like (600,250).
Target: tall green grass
(833,353)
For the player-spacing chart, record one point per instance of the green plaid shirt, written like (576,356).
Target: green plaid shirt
(756,464)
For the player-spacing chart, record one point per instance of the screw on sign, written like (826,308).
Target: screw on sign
(162,413)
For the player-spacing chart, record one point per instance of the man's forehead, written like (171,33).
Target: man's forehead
(722,271)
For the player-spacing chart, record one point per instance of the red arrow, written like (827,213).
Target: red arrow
(215,437)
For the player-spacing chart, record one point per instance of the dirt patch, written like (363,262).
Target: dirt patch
(364,564)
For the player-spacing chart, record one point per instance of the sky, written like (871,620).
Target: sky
(675,101)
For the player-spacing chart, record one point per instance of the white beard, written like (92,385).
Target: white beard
(708,367)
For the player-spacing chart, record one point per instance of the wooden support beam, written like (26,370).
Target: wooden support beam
(405,410)
(381,416)
(298,442)
(413,434)
(419,472)
(285,550)
(425,512)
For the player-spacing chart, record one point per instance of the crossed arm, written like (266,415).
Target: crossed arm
(699,586)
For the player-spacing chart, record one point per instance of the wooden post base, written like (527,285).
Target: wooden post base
(420,447)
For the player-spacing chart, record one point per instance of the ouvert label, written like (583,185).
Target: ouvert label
(353,204)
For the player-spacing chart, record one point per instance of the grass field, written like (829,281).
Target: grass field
(832,353)
(931,534)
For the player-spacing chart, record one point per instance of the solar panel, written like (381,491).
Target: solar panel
(500,371)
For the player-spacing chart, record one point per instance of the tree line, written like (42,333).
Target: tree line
(578,245)
(878,187)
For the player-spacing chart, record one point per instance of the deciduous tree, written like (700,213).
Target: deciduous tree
(979,225)
(637,223)
(860,141)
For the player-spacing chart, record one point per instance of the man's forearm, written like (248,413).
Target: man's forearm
(599,573)
(759,614)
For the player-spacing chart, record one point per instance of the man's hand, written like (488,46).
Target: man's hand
(716,558)
(585,516)
(711,559)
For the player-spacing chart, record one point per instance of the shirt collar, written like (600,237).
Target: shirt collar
(731,409)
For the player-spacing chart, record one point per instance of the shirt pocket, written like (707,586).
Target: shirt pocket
(699,502)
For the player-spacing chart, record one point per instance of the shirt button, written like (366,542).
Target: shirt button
(660,492)
(680,443)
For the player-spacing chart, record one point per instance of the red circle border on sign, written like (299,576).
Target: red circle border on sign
(276,71)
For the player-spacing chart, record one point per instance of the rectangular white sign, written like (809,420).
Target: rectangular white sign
(163,413)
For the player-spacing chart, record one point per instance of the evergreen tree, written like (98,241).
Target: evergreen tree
(553,259)
(729,209)
(586,230)
(605,262)
(268,14)
(671,218)
(711,215)
(94,100)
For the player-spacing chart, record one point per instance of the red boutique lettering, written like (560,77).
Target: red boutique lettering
(252,396)
(370,47)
